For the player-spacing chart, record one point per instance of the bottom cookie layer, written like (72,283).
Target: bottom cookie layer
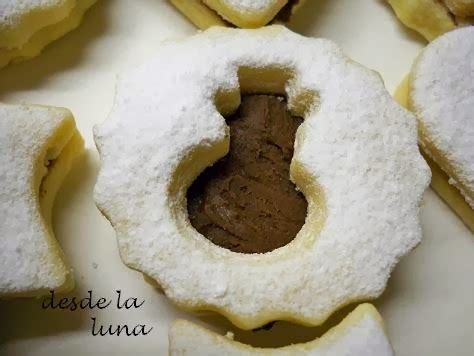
(430,18)
(361,333)
(58,169)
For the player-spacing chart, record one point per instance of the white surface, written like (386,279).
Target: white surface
(429,304)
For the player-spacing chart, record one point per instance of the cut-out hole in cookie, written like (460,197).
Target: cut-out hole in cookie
(246,201)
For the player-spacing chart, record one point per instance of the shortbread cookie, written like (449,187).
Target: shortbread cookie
(432,18)
(440,91)
(37,147)
(240,13)
(361,333)
(356,161)
(463,8)
(27,26)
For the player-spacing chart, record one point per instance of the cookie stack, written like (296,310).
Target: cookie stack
(27,26)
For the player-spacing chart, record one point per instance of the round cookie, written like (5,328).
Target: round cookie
(432,18)
(27,26)
(440,91)
(361,333)
(355,159)
(38,145)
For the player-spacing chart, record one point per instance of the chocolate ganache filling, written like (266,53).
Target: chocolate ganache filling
(246,202)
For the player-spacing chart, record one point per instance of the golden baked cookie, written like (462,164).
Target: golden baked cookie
(361,333)
(432,18)
(38,145)
(355,159)
(440,91)
(27,26)
(239,13)
(462,8)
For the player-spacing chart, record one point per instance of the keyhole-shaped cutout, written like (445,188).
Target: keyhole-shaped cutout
(246,201)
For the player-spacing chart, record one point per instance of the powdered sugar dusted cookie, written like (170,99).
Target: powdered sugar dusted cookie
(356,161)
(440,91)
(240,13)
(37,147)
(432,18)
(361,333)
(27,26)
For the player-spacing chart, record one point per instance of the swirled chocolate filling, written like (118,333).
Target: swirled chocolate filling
(246,202)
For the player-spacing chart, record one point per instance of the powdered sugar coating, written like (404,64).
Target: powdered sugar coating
(360,334)
(12,10)
(250,5)
(25,260)
(442,95)
(20,19)
(358,145)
